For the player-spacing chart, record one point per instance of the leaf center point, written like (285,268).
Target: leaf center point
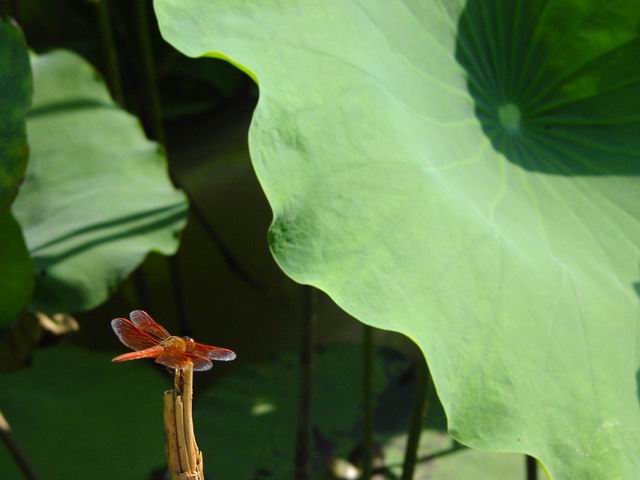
(509,116)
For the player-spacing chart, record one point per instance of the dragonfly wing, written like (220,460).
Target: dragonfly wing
(200,363)
(132,336)
(210,352)
(173,359)
(146,353)
(144,322)
(180,360)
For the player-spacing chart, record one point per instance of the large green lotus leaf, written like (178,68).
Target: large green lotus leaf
(97,197)
(76,415)
(465,173)
(15,85)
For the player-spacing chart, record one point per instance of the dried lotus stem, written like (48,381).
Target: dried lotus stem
(183,456)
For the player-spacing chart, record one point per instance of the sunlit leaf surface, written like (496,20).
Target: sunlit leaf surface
(97,197)
(465,173)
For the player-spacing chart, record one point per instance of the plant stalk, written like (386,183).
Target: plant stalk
(178,295)
(367,402)
(14,449)
(305,419)
(532,468)
(109,50)
(183,456)
(152,97)
(417,420)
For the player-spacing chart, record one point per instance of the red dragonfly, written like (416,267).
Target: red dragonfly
(150,340)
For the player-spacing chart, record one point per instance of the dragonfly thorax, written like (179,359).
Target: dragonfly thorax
(175,343)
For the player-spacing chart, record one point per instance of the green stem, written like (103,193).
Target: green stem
(152,98)
(532,468)
(109,51)
(178,295)
(417,421)
(367,401)
(305,421)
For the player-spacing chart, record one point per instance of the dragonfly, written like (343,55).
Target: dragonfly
(149,339)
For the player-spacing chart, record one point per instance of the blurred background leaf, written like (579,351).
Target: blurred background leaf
(97,196)
(16,280)
(79,416)
(252,439)
(15,82)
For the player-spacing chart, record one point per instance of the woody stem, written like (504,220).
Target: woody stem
(183,455)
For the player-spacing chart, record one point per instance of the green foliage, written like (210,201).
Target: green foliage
(15,83)
(79,416)
(259,404)
(465,173)
(97,196)
(16,280)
